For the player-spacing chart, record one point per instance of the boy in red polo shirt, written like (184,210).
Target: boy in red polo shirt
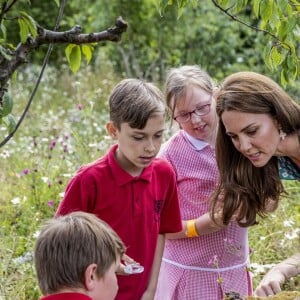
(76,258)
(129,188)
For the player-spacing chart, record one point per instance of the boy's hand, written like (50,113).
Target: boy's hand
(129,266)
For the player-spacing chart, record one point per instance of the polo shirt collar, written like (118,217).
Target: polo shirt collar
(122,177)
(196,143)
(67,296)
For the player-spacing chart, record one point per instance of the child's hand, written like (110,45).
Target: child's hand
(129,266)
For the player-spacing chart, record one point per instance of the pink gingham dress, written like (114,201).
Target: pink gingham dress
(192,267)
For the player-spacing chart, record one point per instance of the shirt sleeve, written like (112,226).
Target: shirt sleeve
(80,195)
(170,219)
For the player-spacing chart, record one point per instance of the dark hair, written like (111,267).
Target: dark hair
(68,244)
(244,187)
(133,101)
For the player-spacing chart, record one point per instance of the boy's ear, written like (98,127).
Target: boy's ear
(111,129)
(90,277)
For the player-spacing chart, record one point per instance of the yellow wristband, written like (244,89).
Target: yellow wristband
(191,230)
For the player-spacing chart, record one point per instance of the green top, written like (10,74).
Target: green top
(287,168)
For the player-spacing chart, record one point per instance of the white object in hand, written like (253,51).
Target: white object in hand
(133,268)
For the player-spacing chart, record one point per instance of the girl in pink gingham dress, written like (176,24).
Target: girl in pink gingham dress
(209,265)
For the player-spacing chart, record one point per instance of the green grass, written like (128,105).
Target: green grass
(64,129)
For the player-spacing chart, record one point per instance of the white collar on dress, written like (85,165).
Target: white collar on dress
(196,143)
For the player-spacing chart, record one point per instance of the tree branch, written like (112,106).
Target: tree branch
(73,36)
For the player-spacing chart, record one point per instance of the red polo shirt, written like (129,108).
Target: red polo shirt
(137,208)
(67,296)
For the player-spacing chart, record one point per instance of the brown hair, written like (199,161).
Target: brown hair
(68,244)
(244,187)
(133,101)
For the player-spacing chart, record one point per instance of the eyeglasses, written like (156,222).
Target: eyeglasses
(199,111)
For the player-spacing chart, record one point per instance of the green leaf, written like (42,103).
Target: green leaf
(73,54)
(266,9)
(239,5)
(282,6)
(23,30)
(256,4)
(223,3)
(181,3)
(180,12)
(4,53)
(283,78)
(161,6)
(282,30)
(87,51)
(3,29)
(267,56)
(57,2)
(275,57)
(31,24)
(7,105)
(10,123)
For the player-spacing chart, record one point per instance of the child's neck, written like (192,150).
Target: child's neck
(127,166)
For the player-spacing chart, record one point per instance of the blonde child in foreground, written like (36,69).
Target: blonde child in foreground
(76,258)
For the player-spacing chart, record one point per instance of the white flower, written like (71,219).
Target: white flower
(288,223)
(16,201)
(291,235)
(45,179)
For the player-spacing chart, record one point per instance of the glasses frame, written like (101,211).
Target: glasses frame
(196,112)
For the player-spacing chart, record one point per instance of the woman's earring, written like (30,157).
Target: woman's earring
(282,134)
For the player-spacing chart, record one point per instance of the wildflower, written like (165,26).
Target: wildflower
(288,223)
(52,144)
(5,154)
(27,257)
(16,200)
(292,234)
(79,106)
(26,171)
(50,203)
(36,234)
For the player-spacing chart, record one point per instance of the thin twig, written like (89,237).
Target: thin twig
(226,11)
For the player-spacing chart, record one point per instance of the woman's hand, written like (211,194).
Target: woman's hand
(271,283)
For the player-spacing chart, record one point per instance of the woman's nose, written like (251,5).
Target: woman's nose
(245,144)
